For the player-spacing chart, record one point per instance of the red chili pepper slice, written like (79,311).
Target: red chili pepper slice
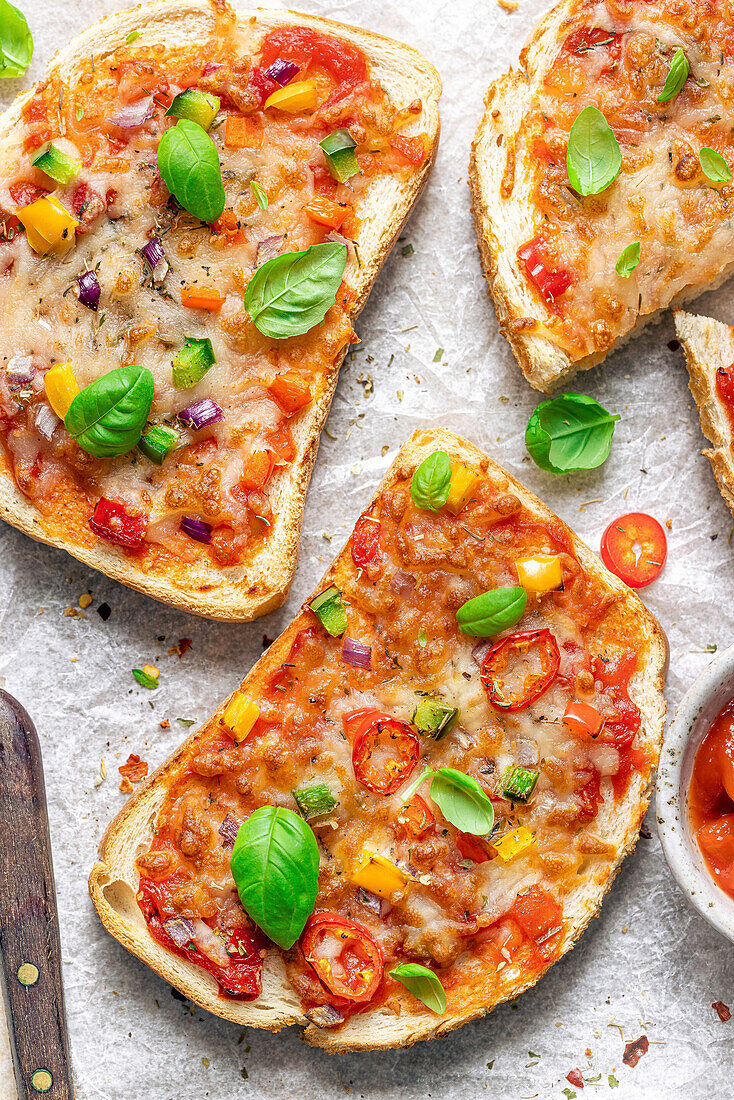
(384,752)
(416,818)
(551,282)
(366,541)
(539,643)
(634,548)
(345,956)
(110,521)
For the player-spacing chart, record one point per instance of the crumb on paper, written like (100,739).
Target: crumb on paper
(181,648)
(509,5)
(165,724)
(85,599)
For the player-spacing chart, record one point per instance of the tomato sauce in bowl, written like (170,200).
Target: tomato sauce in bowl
(711,798)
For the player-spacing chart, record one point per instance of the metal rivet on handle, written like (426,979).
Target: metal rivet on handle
(28,974)
(42,1080)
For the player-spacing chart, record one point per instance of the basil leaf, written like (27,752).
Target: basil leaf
(628,260)
(462,801)
(16,41)
(676,78)
(275,866)
(145,679)
(189,163)
(423,984)
(570,432)
(291,293)
(714,165)
(431,481)
(593,157)
(493,611)
(107,417)
(260,194)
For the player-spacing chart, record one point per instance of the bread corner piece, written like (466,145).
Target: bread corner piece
(114,878)
(709,347)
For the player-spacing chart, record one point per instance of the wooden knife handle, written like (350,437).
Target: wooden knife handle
(30,949)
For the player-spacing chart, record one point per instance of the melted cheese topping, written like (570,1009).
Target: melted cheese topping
(460,901)
(661,197)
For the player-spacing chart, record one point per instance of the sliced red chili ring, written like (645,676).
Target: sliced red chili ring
(535,682)
(634,548)
(384,752)
(344,954)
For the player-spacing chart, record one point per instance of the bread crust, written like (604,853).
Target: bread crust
(503,224)
(709,345)
(113,880)
(243,593)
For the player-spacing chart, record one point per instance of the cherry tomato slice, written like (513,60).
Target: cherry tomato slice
(345,956)
(583,720)
(585,39)
(634,547)
(538,675)
(366,541)
(415,818)
(384,752)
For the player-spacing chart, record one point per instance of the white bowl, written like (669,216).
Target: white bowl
(700,706)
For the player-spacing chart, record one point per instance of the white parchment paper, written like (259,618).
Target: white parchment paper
(648,965)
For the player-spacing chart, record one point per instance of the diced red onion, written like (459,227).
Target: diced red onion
(480,651)
(46,421)
(180,929)
(325,1016)
(268,248)
(402,583)
(89,290)
(527,753)
(196,529)
(210,944)
(282,72)
(356,653)
(228,828)
(153,252)
(336,238)
(200,414)
(134,114)
(20,369)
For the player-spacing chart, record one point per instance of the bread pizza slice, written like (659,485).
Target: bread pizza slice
(419,796)
(601,177)
(194,206)
(709,350)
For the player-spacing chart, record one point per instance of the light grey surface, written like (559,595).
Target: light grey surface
(648,964)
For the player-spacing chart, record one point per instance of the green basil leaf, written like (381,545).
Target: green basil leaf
(593,157)
(144,679)
(423,984)
(570,432)
(431,481)
(628,260)
(462,801)
(275,866)
(260,194)
(714,165)
(493,611)
(107,417)
(189,163)
(291,293)
(676,78)
(16,41)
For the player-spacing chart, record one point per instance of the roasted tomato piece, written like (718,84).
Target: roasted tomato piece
(24,192)
(366,541)
(87,206)
(345,956)
(415,818)
(529,661)
(384,751)
(634,548)
(111,521)
(471,847)
(539,915)
(585,39)
(550,281)
(345,62)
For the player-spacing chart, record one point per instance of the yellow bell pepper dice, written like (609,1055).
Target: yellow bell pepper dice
(464,481)
(540,573)
(49,226)
(514,843)
(378,875)
(299,96)
(61,387)
(240,716)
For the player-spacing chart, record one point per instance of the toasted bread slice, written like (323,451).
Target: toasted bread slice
(114,879)
(709,347)
(503,175)
(245,591)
